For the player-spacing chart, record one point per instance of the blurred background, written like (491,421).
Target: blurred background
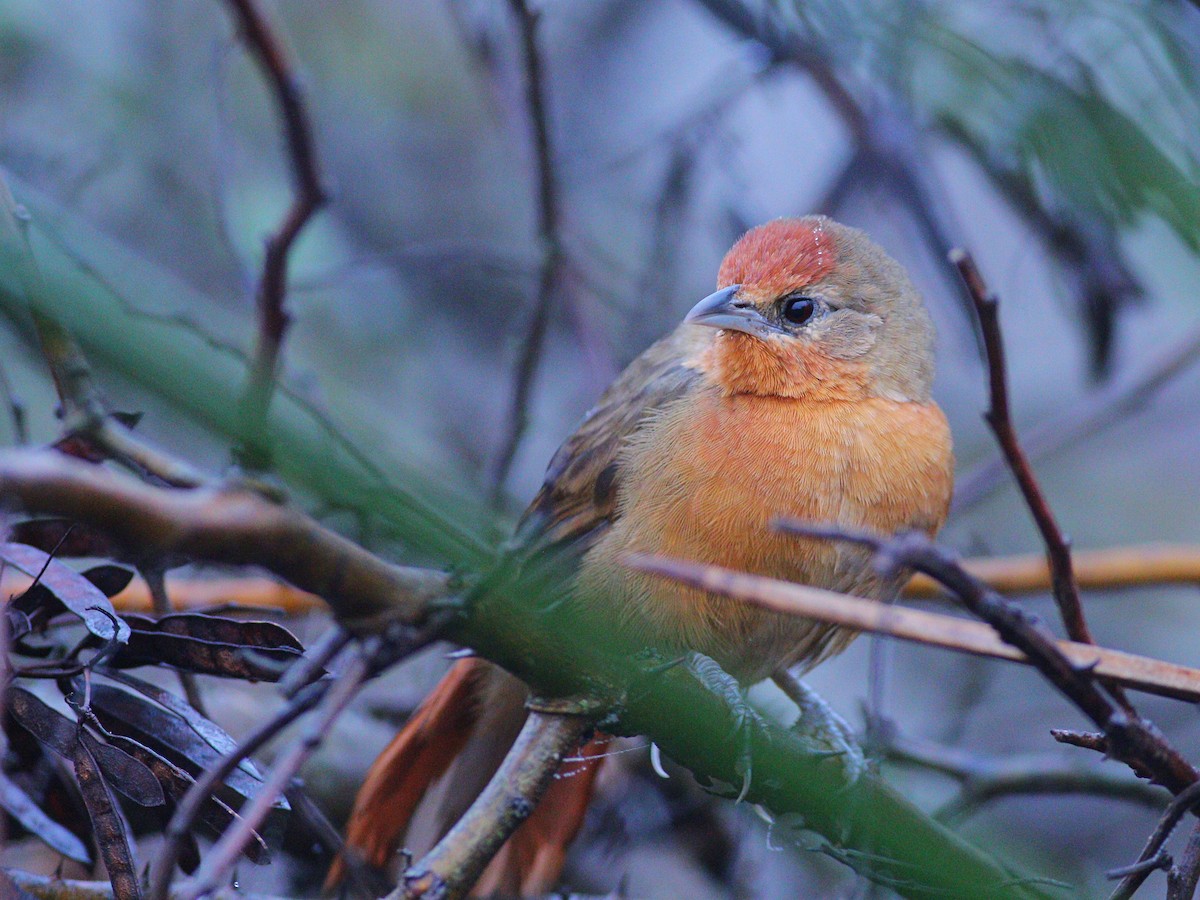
(1055,140)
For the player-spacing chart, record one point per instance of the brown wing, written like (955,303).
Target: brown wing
(577,501)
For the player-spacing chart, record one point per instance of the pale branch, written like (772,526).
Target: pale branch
(1111,568)
(47,887)
(221,858)
(308,196)
(457,861)
(920,626)
(549,236)
(226,525)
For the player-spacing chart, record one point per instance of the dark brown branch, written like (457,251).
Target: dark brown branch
(1130,739)
(308,197)
(983,779)
(999,418)
(549,236)
(226,525)
(455,864)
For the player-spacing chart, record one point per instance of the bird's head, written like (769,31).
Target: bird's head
(811,308)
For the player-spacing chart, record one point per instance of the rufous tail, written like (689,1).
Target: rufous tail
(459,736)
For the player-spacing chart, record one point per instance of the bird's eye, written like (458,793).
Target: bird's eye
(799,310)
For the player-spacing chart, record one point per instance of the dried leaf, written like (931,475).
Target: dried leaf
(215,814)
(129,776)
(108,825)
(70,588)
(50,727)
(190,641)
(21,807)
(213,734)
(124,713)
(110,579)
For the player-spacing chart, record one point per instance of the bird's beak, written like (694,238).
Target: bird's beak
(724,310)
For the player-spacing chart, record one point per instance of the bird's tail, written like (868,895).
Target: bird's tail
(432,771)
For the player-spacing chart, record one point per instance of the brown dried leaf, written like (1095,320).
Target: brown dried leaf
(128,714)
(126,774)
(108,825)
(110,579)
(179,641)
(65,538)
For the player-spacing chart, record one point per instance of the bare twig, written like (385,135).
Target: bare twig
(999,417)
(917,625)
(1185,801)
(188,809)
(48,887)
(226,525)
(549,235)
(1107,406)
(1182,879)
(983,779)
(308,196)
(455,864)
(221,858)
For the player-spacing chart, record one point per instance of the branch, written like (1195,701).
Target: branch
(1107,406)
(1131,740)
(222,856)
(226,525)
(456,863)
(1183,803)
(934,629)
(308,197)
(1109,569)
(549,236)
(999,417)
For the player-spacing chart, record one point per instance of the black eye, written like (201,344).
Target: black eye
(799,310)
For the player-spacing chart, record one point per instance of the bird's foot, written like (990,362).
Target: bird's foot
(710,674)
(822,730)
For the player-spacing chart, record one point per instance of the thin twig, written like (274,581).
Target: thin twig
(549,236)
(999,417)
(221,858)
(455,864)
(1185,801)
(184,818)
(1182,879)
(308,196)
(1108,406)
(983,779)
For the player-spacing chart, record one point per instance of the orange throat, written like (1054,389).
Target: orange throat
(743,364)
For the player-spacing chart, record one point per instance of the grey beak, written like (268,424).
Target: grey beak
(722,310)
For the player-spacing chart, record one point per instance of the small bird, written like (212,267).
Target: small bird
(801,388)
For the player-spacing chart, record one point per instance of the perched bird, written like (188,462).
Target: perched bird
(800,388)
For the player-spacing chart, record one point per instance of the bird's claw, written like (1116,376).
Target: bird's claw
(821,730)
(710,674)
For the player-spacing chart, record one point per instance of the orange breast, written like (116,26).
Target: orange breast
(704,481)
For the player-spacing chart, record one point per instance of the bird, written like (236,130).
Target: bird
(800,388)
